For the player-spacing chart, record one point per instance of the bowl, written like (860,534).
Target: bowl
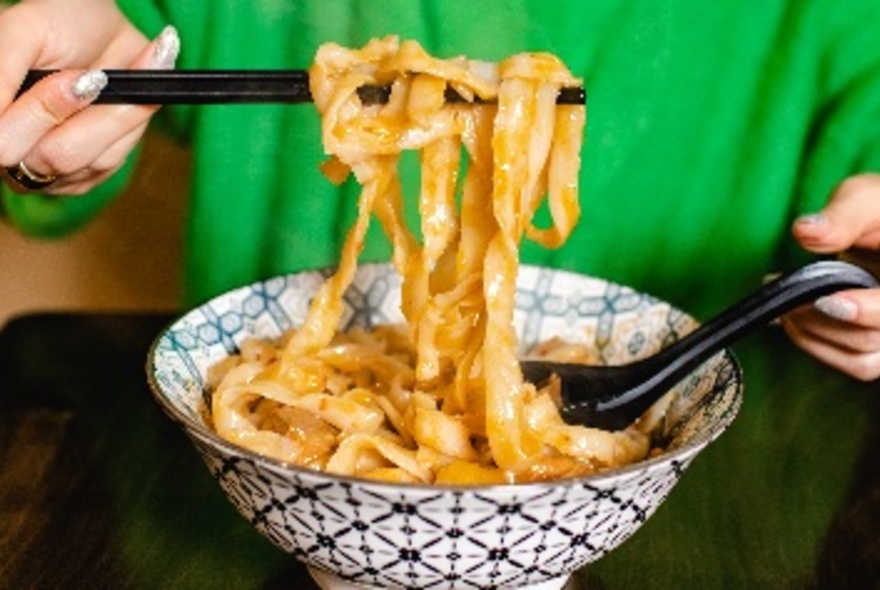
(355,533)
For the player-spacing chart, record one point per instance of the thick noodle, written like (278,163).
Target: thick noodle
(441,399)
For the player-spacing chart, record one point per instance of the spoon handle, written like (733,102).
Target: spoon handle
(666,368)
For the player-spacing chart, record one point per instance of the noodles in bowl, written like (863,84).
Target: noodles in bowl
(372,419)
(441,398)
(391,535)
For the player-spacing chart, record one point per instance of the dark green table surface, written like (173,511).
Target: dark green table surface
(98,489)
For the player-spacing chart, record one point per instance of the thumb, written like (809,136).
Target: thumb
(851,219)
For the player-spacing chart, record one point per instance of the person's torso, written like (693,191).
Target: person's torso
(693,144)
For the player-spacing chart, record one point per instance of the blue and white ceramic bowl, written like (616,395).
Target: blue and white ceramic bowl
(362,534)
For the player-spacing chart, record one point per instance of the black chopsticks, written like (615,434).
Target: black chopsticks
(231,87)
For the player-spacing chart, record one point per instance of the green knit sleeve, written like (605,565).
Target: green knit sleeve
(47,216)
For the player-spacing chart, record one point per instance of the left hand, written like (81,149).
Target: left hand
(843,329)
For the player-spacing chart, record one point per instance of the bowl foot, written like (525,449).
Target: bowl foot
(327,581)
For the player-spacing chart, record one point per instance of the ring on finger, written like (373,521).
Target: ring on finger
(29,179)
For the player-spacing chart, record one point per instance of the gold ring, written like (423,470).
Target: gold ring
(29,179)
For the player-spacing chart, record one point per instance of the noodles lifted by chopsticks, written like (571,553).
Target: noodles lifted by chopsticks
(443,399)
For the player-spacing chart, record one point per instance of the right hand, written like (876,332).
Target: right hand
(843,329)
(49,127)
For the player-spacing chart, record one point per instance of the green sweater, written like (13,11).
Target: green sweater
(711,126)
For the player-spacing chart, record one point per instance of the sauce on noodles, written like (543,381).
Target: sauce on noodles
(442,398)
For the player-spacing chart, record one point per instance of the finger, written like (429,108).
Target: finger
(115,156)
(49,103)
(79,185)
(851,219)
(853,338)
(123,50)
(107,163)
(20,47)
(849,320)
(92,132)
(863,366)
(857,307)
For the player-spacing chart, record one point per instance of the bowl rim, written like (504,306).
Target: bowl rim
(208,436)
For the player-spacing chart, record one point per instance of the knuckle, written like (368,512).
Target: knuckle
(871,340)
(51,101)
(861,341)
(56,155)
(46,110)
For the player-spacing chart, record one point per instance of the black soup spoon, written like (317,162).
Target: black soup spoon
(613,397)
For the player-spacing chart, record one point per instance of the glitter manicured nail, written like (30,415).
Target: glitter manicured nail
(837,308)
(89,85)
(167,49)
(812,219)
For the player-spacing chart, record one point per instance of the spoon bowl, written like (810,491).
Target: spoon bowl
(613,397)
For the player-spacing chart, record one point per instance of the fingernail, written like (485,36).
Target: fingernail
(89,84)
(167,49)
(837,308)
(812,219)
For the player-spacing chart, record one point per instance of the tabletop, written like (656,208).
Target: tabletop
(98,489)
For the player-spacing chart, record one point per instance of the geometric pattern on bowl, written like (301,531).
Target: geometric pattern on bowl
(415,536)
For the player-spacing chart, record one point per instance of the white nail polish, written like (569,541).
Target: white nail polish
(837,308)
(167,49)
(812,219)
(89,84)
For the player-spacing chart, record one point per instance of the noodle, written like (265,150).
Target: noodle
(441,399)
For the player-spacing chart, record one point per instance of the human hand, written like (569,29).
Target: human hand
(49,140)
(843,329)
